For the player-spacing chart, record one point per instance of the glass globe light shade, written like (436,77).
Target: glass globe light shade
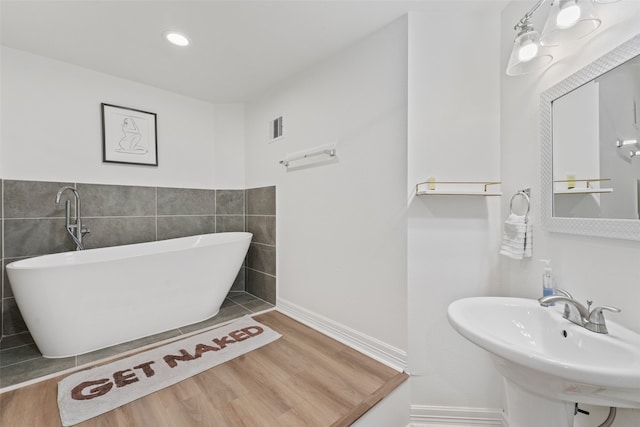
(569,20)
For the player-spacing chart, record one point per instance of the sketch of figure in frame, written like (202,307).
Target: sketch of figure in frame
(131,137)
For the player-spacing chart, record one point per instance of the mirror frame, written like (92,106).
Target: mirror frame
(627,229)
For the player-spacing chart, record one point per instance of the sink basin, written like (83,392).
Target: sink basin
(539,352)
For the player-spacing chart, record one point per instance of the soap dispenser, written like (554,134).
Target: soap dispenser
(548,284)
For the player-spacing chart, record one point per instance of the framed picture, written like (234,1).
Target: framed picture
(129,136)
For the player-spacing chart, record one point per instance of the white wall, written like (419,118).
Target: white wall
(1,108)
(228,147)
(341,226)
(51,128)
(453,241)
(604,270)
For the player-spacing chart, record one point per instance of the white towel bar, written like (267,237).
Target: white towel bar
(526,193)
(330,153)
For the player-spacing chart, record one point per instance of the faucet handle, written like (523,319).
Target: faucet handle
(85,230)
(597,312)
(596,318)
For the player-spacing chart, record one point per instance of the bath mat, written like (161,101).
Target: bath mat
(89,393)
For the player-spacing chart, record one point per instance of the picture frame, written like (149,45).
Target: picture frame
(129,136)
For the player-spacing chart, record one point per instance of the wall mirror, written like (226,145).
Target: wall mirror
(590,146)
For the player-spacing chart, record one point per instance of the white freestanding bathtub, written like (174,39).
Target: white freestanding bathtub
(77,302)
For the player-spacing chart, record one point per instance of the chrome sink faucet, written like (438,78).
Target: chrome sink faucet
(75,229)
(577,313)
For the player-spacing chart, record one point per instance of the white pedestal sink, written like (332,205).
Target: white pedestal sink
(549,363)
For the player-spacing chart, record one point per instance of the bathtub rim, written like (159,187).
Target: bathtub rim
(111,253)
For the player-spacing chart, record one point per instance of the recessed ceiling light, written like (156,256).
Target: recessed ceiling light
(176,38)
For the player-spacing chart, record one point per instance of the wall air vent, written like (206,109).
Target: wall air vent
(275,129)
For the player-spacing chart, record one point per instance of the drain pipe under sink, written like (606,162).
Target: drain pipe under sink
(607,423)
(610,418)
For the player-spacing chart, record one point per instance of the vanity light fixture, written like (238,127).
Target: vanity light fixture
(567,20)
(525,55)
(176,38)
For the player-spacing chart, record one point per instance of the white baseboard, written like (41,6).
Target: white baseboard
(442,416)
(372,347)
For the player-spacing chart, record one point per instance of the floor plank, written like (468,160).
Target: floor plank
(302,379)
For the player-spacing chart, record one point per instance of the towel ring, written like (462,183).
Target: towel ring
(525,194)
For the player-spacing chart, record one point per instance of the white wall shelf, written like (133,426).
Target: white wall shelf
(584,191)
(587,189)
(457,188)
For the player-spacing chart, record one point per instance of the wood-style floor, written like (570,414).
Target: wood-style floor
(301,379)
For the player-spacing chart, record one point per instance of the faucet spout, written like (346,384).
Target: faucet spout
(548,300)
(63,189)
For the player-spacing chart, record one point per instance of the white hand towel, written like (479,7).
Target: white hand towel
(517,237)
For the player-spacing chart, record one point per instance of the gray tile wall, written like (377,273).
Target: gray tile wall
(261,258)
(32,225)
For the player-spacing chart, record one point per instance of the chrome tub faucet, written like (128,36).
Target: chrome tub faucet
(75,229)
(577,313)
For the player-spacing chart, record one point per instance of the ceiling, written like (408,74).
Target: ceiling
(239,48)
